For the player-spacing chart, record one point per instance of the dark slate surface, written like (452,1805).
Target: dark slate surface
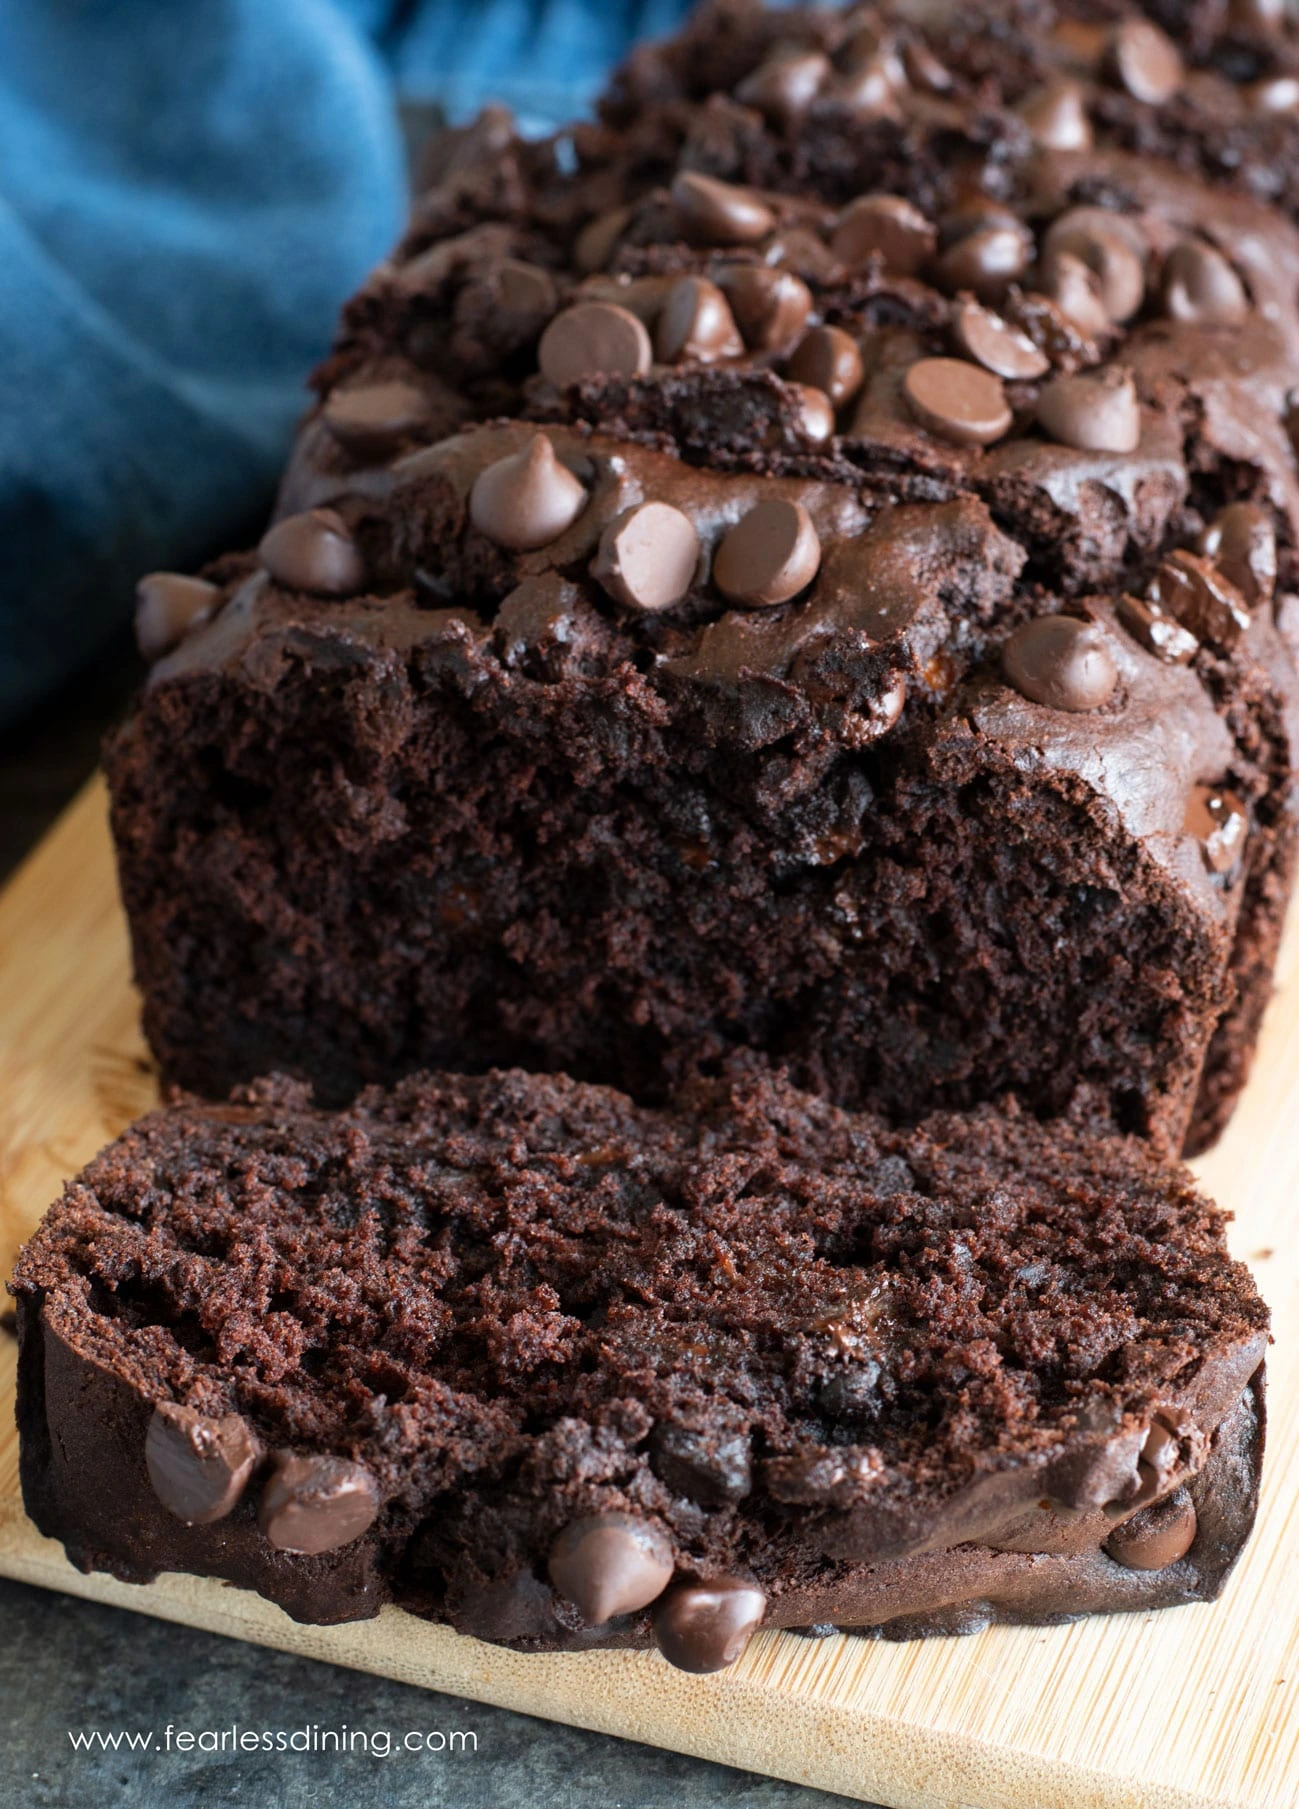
(71,1666)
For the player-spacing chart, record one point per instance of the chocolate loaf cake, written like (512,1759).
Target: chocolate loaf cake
(564,1372)
(805,562)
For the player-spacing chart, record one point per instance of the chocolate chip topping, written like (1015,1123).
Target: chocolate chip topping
(1113,249)
(1075,289)
(1060,662)
(317,1504)
(996,345)
(594,339)
(1201,596)
(1056,115)
(697,323)
(1157,1536)
(198,1467)
(719,213)
(610,1564)
(598,239)
(1093,413)
(957,400)
(313,552)
(526,290)
(648,556)
(527,499)
(987,260)
(1200,286)
(167,606)
(1144,61)
(786,84)
(770,554)
(372,419)
(1220,823)
(830,360)
(886,226)
(770,306)
(1156,631)
(1241,542)
(817,420)
(702,1627)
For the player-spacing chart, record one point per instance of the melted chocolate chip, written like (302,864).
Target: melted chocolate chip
(1144,62)
(957,400)
(1056,115)
(317,1504)
(996,345)
(887,227)
(594,339)
(1159,633)
(1060,662)
(648,556)
(830,360)
(702,1627)
(370,420)
(719,213)
(1203,599)
(1200,286)
(313,552)
(785,85)
(1112,247)
(770,554)
(198,1467)
(770,306)
(1157,1536)
(713,1468)
(527,499)
(1219,821)
(697,323)
(167,606)
(1241,542)
(1093,413)
(610,1564)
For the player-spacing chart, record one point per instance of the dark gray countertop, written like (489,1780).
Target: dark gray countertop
(73,1667)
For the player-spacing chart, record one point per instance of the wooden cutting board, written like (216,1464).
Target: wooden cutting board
(1193,1707)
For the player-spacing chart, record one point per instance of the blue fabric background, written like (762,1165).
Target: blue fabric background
(188,188)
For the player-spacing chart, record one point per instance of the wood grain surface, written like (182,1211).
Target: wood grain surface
(1192,1707)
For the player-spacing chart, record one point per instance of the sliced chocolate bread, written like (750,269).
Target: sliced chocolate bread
(564,1372)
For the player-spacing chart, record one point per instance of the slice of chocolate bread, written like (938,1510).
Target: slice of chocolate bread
(563,1372)
(855,625)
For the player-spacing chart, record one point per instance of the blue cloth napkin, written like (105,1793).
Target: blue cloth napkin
(188,189)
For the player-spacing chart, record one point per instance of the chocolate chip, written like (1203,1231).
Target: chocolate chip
(1144,61)
(1276,94)
(702,1627)
(610,1564)
(1056,115)
(770,306)
(830,360)
(599,238)
(719,213)
(996,345)
(1111,246)
(1202,597)
(371,420)
(527,499)
(886,226)
(1258,15)
(526,290)
(697,323)
(1060,662)
(924,71)
(1219,821)
(1157,1536)
(313,552)
(770,554)
(817,413)
(987,261)
(167,606)
(1200,286)
(648,556)
(1157,632)
(783,87)
(317,1504)
(594,339)
(712,1468)
(1075,289)
(1094,413)
(1241,542)
(199,1467)
(957,400)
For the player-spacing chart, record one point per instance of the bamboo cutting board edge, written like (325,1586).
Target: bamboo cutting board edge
(1196,1708)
